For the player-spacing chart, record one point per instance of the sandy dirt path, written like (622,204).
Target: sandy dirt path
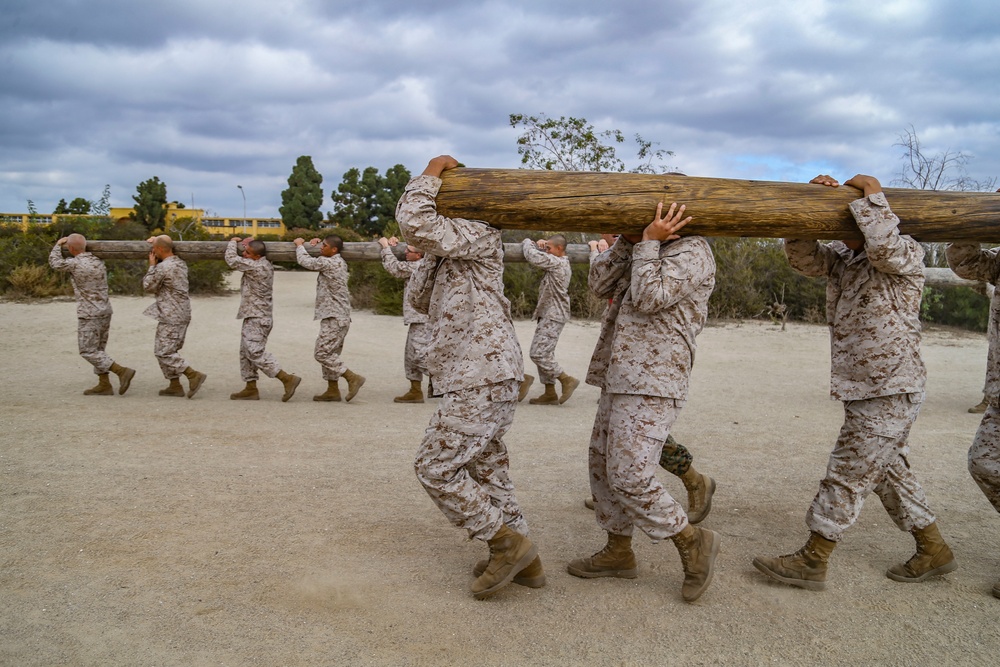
(142,530)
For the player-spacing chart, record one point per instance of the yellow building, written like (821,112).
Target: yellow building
(212,224)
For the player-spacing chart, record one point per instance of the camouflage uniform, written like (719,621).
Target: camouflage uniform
(93,308)
(968,261)
(474,358)
(675,457)
(552,311)
(418,334)
(873,310)
(642,363)
(256,307)
(168,280)
(333,309)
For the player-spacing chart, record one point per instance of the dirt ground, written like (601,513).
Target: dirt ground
(142,530)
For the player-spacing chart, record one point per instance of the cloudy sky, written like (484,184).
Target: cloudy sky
(208,94)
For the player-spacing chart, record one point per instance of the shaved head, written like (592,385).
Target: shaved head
(76,243)
(558,240)
(164,241)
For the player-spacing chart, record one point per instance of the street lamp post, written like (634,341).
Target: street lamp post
(244,207)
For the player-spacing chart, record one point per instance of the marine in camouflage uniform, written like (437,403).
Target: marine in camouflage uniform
(971,263)
(167,279)
(552,313)
(418,332)
(873,297)
(674,457)
(659,285)
(333,310)
(256,307)
(476,363)
(93,311)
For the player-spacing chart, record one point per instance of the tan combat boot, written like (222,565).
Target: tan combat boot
(698,548)
(981,407)
(700,489)
(567,385)
(354,383)
(933,557)
(195,380)
(290,383)
(532,576)
(414,395)
(591,503)
(102,388)
(616,559)
(173,389)
(806,568)
(510,553)
(125,376)
(525,385)
(248,393)
(548,397)
(332,392)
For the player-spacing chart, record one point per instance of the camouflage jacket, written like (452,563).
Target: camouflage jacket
(333,299)
(971,263)
(461,282)
(660,297)
(403,270)
(90,282)
(553,293)
(168,280)
(872,304)
(256,286)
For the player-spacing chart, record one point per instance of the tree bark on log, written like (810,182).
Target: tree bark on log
(563,201)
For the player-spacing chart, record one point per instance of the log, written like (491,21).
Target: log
(625,203)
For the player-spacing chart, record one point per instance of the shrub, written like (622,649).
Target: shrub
(34,281)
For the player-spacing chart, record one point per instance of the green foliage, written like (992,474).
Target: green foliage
(955,306)
(62,208)
(150,203)
(752,274)
(573,144)
(301,200)
(365,201)
(33,281)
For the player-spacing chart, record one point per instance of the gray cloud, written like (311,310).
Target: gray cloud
(208,95)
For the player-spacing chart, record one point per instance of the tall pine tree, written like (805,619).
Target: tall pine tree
(301,201)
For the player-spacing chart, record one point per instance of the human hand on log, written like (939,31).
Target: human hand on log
(314,241)
(393,241)
(439,165)
(823,179)
(666,228)
(867,184)
(299,242)
(384,242)
(236,239)
(62,241)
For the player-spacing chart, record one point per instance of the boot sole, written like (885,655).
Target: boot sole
(615,574)
(944,569)
(568,390)
(323,399)
(524,562)
(527,582)
(354,392)
(801,583)
(125,381)
(708,504)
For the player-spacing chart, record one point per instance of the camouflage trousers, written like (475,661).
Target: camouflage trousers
(418,339)
(675,457)
(871,455)
(329,345)
(92,337)
(543,350)
(625,444)
(253,355)
(168,342)
(984,455)
(462,462)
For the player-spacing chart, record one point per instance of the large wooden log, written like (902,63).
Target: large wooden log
(625,203)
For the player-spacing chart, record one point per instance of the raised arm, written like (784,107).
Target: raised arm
(56,260)
(608,270)
(968,261)
(537,258)
(888,250)
(233,259)
(435,234)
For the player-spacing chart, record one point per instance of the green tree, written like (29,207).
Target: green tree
(365,201)
(301,200)
(79,206)
(149,203)
(62,208)
(573,144)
